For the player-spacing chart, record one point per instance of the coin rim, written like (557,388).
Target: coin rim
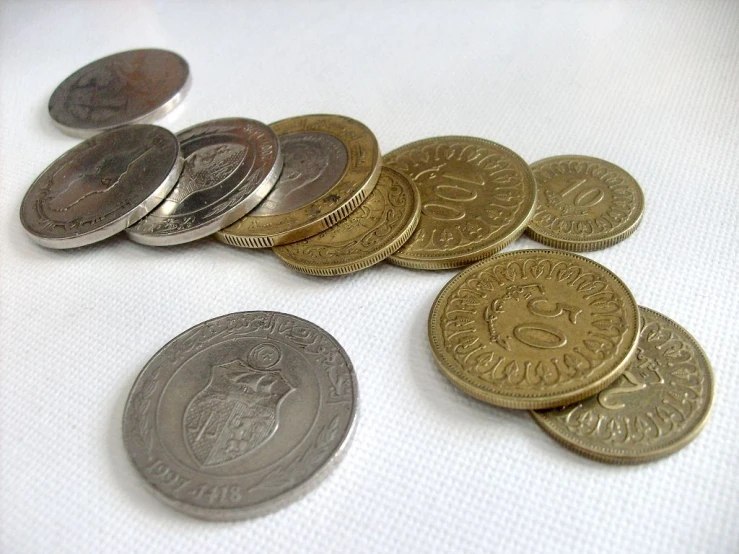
(368,259)
(302,222)
(126,219)
(450,262)
(528,401)
(572,244)
(228,217)
(269,505)
(643,456)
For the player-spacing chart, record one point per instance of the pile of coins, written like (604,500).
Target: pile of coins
(254,406)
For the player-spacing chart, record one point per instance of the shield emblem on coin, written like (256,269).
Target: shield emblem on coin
(237,410)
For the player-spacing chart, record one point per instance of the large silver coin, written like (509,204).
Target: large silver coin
(241,414)
(128,87)
(230,166)
(100,187)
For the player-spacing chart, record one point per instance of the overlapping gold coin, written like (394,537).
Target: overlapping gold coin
(584,203)
(534,329)
(372,232)
(658,405)
(477,197)
(331,164)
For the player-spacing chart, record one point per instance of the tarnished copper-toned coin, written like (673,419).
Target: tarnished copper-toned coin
(476,198)
(331,164)
(584,203)
(372,232)
(534,329)
(657,406)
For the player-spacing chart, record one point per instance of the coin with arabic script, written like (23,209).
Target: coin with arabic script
(656,407)
(101,186)
(376,229)
(584,203)
(136,86)
(241,415)
(230,166)
(534,329)
(476,198)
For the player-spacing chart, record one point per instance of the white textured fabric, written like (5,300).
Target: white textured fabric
(650,86)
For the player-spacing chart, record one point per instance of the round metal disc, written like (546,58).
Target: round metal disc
(127,87)
(230,166)
(534,329)
(100,187)
(584,203)
(332,163)
(656,407)
(240,415)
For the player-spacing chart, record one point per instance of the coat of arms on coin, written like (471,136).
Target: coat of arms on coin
(241,414)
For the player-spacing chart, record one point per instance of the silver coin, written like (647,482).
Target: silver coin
(230,166)
(314,162)
(127,87)
(240,415)
(101,186)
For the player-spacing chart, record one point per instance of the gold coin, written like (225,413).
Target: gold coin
(476,198)
(376,229)
(655,408)
(331,164)
(584,203)
(534,329)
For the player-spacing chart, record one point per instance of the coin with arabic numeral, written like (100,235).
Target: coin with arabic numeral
(127,87)
(534,329)
(372,232)
(100,187)
(230,166)
(584,203)
(332,163)
(476,198)
(657,406)
(240,415)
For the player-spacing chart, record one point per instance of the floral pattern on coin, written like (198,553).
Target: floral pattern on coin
(368,235)
(476,198)
(584,203)
(534,328)
(658,405)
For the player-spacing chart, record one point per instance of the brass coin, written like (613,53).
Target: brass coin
(376,229)
(584,203)
(534,329)
(331,164)
(655,408)
(476,198)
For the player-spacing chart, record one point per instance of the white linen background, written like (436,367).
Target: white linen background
(650,86)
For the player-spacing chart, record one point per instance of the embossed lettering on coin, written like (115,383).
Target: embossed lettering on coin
(101,186)
(534,328)
(476,198)
(127,87)
(584,203)
(653,409)
(240,414)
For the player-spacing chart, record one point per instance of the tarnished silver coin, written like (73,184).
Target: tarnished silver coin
(127,87)
(230,166)
(100,187)
(240,415)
